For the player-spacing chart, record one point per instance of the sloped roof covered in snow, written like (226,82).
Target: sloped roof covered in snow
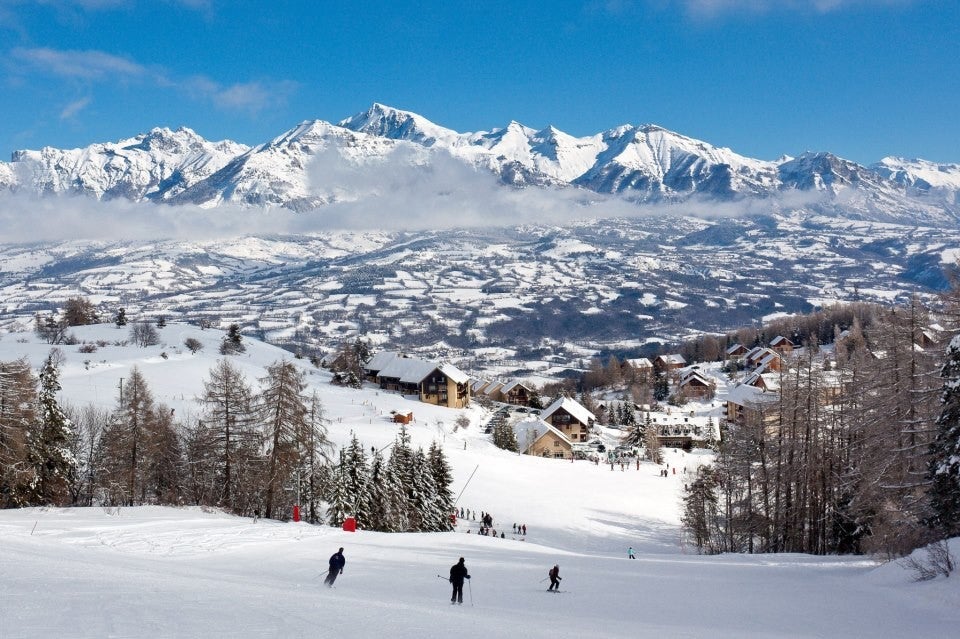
(509,386)
(528,431)
(379,361)
(573,407)
(746,395)
(454,373)
(412,370)
(409,370)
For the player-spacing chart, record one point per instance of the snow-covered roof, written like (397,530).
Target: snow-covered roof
(746,395)
(528,431)
(493,387)
(573,407)
(509,386)
(640,362)
(409,370)
(780,339)
(770,381)
(733,349)
(456,375)
(478,385)
(675,359)
(693,377)
(379,361)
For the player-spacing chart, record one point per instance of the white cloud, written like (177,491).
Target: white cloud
(83,65)
(410,189)
(99,66)
(251,97)
(714,7)
(73,108)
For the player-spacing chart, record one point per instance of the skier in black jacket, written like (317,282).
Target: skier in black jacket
(555,578)
(458,572)
(337,562)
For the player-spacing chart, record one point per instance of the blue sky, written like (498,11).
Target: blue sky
(861,78)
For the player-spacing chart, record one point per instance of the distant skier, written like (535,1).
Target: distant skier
(630,552)
(458,572)
(337,562)
(554,578)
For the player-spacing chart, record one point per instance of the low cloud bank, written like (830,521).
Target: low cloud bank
(403,192)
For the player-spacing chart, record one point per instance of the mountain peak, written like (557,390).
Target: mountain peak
(389,122)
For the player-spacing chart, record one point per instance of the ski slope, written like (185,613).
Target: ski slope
(186,572)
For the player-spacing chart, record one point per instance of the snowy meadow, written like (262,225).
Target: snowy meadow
(191,572)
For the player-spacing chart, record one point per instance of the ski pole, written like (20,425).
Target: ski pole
(470,588)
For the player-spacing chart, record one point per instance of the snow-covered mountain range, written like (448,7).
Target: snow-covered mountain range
(640,163)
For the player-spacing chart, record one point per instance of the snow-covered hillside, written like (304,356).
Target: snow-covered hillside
(305,168)
(166,572)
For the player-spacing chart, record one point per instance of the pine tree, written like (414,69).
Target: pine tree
(122,443)
(442,479)
(379,498)
(636,435)
(232,342)
(423,497)
(18,390)
(315,447)
(944,467)
(357,479)
(121,318)
(50,454)
(504,437)
(340,501)
(230,419)
(284,411)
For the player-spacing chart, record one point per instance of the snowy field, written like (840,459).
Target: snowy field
(169,572)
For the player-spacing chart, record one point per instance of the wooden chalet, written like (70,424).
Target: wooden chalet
(782,345)
(751,404)
(432,383)
(642,368)
(735,352)
(377,363)
(537,437)
(517,393)
(694,385)
(570,418)
(668,363)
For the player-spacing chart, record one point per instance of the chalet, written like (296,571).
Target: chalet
(570,418)
(760,356)
(335,361)
(642,368)
(537,437)
(770,362)
(735,352)
(432,383)
(763,381)
(517,393)
(477,386)
(927,338)
(694,385)
(751,404)
(683,429)
(492,390)
(667,363)
(782,345)
(377,363)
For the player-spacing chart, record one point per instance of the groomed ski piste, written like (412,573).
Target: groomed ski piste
(188,572)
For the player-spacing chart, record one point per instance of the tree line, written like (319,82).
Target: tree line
(252,449)
(857,452)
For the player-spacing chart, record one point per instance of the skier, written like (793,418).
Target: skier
(630,552)
(458,572)
(554,578)
(337,562)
